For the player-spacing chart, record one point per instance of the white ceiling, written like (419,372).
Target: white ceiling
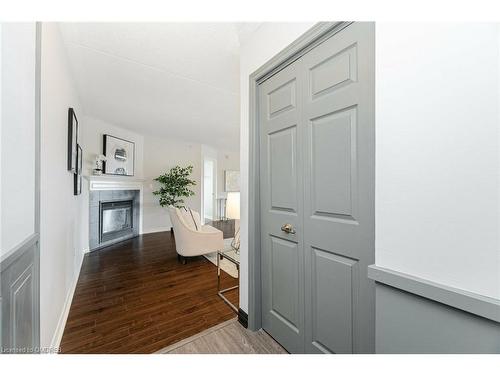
(167,79)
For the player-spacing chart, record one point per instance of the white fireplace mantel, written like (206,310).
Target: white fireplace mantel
(104,182)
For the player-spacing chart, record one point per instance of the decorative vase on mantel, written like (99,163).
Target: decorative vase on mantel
(98,170)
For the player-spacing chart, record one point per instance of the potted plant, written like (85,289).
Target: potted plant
(175,186)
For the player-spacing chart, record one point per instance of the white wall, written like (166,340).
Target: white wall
(498,119)
(437,153)
(62,220)
(161,154)
(17,148)
(267,41)
(226,160)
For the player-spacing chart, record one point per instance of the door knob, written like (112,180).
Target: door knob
(287,228)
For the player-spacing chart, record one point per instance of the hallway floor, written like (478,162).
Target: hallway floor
(227,338)
(135,297)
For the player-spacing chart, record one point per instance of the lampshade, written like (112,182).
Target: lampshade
(233,205)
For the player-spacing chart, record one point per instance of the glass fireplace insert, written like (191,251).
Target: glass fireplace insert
(116,219)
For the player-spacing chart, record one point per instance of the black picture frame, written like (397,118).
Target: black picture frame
(106,152)
(72,140)
(77,177)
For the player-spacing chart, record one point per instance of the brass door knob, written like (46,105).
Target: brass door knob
(288,228)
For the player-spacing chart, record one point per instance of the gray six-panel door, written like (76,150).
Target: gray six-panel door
(317,173)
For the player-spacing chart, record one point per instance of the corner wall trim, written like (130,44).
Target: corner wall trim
(473,303)
(243,318)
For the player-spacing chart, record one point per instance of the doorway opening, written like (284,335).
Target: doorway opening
(209,188)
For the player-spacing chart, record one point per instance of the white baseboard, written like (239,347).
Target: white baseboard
(61,323)
(156,230)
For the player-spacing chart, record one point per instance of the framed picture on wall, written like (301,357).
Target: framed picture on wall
(120,155)
(231,180)
(72,139)
(77,177)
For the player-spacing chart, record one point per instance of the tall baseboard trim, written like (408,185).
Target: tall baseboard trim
(61,324)
(407,323)
(243,318)
(473,303)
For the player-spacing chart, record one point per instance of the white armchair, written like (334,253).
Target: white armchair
(192,238)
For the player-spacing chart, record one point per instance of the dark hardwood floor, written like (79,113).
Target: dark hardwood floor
(135,297)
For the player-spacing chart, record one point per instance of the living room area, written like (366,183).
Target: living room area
(149,200)
(151,275)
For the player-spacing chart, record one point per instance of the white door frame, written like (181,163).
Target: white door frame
(214,198)
(310,39)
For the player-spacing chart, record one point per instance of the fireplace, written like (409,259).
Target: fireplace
(113,217)
(116,219)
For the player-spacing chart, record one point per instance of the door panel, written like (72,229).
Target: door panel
(332,296)
(22,309)
(282,98)
(334,72)
(19,288)
(333,158)
(284,282)
(281,186)
(283,170)
(339,192)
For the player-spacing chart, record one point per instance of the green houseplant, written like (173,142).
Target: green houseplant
(175,186)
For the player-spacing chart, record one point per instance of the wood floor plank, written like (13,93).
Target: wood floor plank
(135,297)
(230,338)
